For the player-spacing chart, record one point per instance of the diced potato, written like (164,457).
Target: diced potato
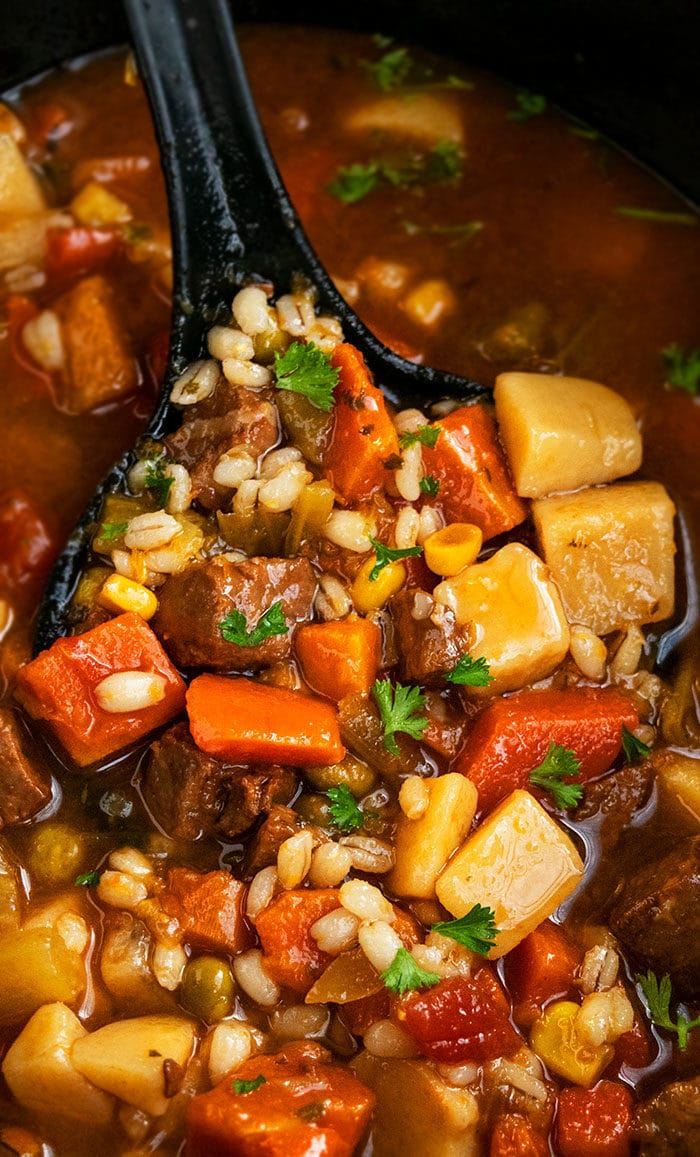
(20,194)
(423,846)
(516,614)
(416,1112)
(679,776)
(610,551)
(125,967)
(41,1075)
(520,863)
(37,967)
(95,205)
(423,116)
(564,433)
(127,1058)
(23,241)
(11,125)
(12,894)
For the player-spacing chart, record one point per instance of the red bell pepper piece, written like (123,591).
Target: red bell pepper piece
(460,1019)
(516,1136)
(542,966)
(595,1122)
(340,658)
(292,956)
(208,906)
(79,249)
(27,548)
(512,736)
(364,442)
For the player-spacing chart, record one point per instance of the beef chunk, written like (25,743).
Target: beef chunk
(193,603)
(24,785)
(252,794)
(668,1124)
(281,823)
(616,798)
(429,640)
(657,916)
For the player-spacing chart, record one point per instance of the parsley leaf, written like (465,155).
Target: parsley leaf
(657,994)
(157,481)
(306,370)
(111,530)
(429,486)
(475,930)
(470,672)
(240,1087)
(391,70)
(426,436)
(386,554)
(345,813)
(682,368)
(441,163)
(353,182)
(404,975)
(633,748)
(397,707)
(558,763)
(87,880)
(234,627)
(529,104)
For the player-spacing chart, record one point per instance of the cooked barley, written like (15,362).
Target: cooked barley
(414,797)
(250,973)
(261,891)
(294,859)
(349,529)
(42,338)
(379,943)
(369,854)
(335,931)
(225,342)
(386,1039)
(366,901)
(230,1045)
(151,531)
(251,311)
(234,467)
(330,864)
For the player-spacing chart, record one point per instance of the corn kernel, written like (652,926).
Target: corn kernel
(95,205)
(555,1040)
(123,594)
(371,594)
(449,550)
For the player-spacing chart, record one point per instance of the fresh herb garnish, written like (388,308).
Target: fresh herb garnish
(87,880)
(659,216)
(157,481)
(429,486)
(386,554)
(470,672)
(404,975)
(354,182)
(234,627)
(313,1111)
(682,368)
(425,436)
(345,813)
(397,709)
(559,763)
(476,930)
(463,231)
(111,530)
(391,70)
(633,748)
(657,994)
(307,370)
(529,104)
(241,1087)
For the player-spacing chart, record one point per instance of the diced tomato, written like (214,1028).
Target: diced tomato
(358,1015)
(292,956)
(633,1048)
(541,967)
(516,1136)
(460,1019)
(595,1122)
(209,909)
(27,548)
(364,441)
(79,249)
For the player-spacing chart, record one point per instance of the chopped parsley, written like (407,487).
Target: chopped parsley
(312,1111)
(398,707)
(558,764)
(633,748)
(111,530)
(345,813)
(657,994)
(441,163)
(307,370)
(386,554)
(157,481)
(404,975)
(528,105)
(354,182)
(87,880)
(425,436)
(241,1087)
(429,486)
(682,368)
(476,930)
(470,672)
(392,69)
(234,627)
(658,216)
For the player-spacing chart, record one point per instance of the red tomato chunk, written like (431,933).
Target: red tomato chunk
(26,547)
(595,1122)
(460,1019)
(515,1136)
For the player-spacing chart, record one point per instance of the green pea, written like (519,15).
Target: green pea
(56,854)
(356,775)
(208,989)
(315,809)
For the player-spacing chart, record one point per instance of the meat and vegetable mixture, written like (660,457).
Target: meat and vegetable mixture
(359,812)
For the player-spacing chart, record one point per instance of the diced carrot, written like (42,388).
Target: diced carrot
(541,967)
(248,722)
(27,548)
(516,1136)
(340,658)
(70,252)
(209,909)
(291,955)
(470,466)
(99,366)
(595,1122)
(303,1106)
(512,736)
(363,440)
(59,687)
(461,1019)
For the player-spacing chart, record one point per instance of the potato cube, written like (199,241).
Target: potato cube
(516,615)
(564,433)
(520,863)
(679,777)
(610,551)
(37,967)
(425,118)
(20,194)
(423,846)
(127,1058)
(41,1075)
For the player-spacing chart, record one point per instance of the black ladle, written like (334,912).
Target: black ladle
(232,222)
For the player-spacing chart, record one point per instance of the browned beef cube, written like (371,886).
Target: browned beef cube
(25,787)
(657,916)
(193,603)
(180,784)
(429,640)
(281,823)
(616,798)
(668,1124)
(253,794)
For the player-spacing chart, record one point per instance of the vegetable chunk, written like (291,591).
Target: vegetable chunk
(341,658)
(99,365)
(610,551)
(209,909)
(37,966)
(20,195)
(519,863)
(423,846)
(292,957)
(564,433)
(363,438)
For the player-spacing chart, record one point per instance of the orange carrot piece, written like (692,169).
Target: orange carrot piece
(512,736)
(99,364)
(540,968)
(291,955)
(209,909)
(363,439)
(595,1122)
(340,658)
(516,1136)
(59,687)
(248,722)
(470,466)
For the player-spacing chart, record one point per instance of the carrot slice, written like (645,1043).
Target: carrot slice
(363,442)
(340,658)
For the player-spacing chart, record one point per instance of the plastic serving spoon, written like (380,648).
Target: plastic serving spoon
(232,222)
